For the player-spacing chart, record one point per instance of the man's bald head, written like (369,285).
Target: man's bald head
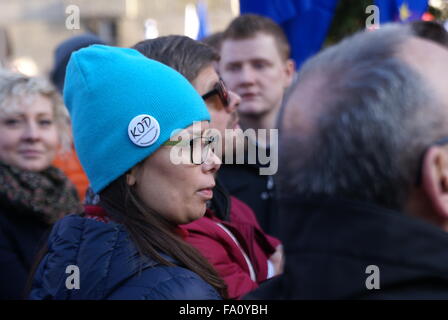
(360,116)
(430,60)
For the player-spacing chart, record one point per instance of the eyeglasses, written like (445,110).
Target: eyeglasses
(221,90)
(441,142)
(200,148)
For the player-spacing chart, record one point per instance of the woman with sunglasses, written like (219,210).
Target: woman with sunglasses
(126,125)
(229,235)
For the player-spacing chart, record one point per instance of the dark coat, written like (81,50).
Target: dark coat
(109,266)
(257,191)
(21,236)
(330,243)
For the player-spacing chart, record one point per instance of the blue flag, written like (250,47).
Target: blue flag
(305,22)
(201,9)
(401,10)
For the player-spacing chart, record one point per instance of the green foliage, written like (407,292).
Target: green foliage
(350,16)
(441,14)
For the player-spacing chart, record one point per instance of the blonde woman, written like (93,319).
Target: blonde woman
(33,194)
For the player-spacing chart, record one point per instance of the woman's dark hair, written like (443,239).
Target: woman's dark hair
(152,234)
(214,40)
(183,54)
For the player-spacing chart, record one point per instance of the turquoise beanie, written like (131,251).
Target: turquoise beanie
(123,107)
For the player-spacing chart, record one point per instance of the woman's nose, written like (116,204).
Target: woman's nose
(235,101)
(212,164)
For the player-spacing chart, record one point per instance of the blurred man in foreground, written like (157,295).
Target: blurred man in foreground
(364,172)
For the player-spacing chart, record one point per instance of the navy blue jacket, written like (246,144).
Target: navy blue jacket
(109,267)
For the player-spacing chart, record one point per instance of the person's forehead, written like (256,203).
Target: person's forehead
(260,46)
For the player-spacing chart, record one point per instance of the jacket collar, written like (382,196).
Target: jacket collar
(361,230)
(331,242)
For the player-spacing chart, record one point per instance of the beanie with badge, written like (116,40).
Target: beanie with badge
(123,107)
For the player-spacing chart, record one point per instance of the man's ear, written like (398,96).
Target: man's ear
(290,69)
(435,180)
(131,176)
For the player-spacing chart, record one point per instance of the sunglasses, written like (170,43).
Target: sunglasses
(220,90)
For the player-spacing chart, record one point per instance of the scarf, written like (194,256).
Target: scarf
(46,195)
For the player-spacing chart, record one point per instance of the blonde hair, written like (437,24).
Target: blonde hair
(16,88)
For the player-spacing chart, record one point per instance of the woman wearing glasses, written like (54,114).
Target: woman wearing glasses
(229,235)
(126,124)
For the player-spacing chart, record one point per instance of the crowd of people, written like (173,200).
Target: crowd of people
(120,175)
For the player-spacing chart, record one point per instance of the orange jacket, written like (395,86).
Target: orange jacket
(70,165)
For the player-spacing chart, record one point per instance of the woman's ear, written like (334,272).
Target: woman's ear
(131,177)
(435,179)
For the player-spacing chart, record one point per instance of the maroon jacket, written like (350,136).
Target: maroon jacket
(223,252)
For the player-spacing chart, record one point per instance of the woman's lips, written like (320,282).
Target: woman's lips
(206,193)
(30,153)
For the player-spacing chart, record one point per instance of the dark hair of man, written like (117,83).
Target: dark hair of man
(248,26)
(214,40)
(152,234)
(377,117)
(430,30)
(181,53)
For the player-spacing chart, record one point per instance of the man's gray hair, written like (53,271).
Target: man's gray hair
(377,118)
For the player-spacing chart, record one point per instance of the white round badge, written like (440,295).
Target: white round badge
(143,130)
